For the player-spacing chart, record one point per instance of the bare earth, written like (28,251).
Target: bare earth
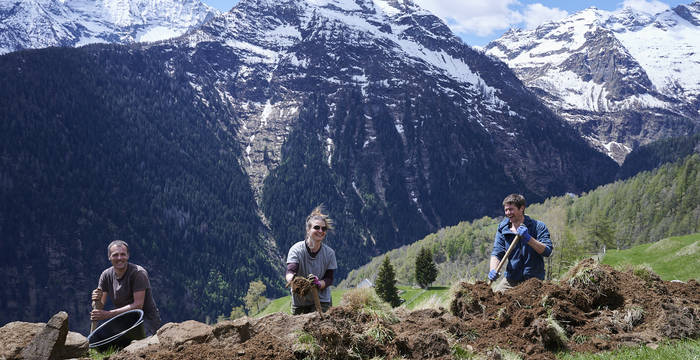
(595,308)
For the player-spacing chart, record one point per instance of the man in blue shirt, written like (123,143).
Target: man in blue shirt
(527,259)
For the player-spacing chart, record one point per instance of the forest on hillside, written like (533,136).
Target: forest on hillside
(645,208)
(132,153)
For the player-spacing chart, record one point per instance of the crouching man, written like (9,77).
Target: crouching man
(128,287)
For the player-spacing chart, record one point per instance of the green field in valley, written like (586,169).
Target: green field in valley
(674,258)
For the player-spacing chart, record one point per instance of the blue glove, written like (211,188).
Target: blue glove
(493,275)
(524,235)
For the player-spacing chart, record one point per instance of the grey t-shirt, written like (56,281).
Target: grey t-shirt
(324,260)
(121,291)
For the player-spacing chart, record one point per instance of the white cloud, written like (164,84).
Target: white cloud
(538,14)
(485,18)
(650,7)
(482,18)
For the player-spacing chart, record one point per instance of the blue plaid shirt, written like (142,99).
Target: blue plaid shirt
(524,261)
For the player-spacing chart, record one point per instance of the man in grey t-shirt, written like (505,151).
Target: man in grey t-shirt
(312,257)
(127,286)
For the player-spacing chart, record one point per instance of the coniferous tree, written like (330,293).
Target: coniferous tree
(426,271)
(385,285)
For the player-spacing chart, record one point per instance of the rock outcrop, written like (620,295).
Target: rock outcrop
(23,340)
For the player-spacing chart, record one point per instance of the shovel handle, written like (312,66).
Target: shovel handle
(96,305)
(505,257)
(317,301)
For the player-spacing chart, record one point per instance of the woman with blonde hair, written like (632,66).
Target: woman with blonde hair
(313,259)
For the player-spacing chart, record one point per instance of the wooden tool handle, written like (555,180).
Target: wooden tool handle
(505,257)
(96,305)
(317,301)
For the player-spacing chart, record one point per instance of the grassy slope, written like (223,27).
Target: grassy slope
(413,298)
(671,258)
(680,350)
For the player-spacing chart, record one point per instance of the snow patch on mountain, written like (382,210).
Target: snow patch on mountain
(32,24)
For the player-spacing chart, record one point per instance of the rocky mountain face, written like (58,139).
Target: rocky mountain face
(208,151)
(34,24)
(623,79)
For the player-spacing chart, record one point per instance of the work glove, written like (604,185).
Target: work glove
(493,275)
(314,279)
(524,235)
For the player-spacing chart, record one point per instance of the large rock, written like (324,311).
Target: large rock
(76,346)
(188,332)
(15,336)
(49,343)
(236,331)
(141,344)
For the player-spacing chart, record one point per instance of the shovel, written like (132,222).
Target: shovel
(505,257)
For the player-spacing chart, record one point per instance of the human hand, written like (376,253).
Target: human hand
(493,275)
(98,314)
(314,279)
(524,235)
(97,295)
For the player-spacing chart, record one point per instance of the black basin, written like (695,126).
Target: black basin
(118,331)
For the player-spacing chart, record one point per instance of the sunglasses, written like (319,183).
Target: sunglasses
(322,228)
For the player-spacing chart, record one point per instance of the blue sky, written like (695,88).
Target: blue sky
(477,22)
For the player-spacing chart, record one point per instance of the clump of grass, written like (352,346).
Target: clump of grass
(504,354)
(559,331)
(366,301)
(584,278)
(379,333)
(628,318)
(306,347)
(97,355)
(552,334)
(580,339)
(433,302)
(645,273)
(460,353)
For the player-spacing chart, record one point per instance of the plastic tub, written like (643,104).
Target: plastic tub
(118,331)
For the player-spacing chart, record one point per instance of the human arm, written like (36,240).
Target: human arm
(292,269)
(542,244)
(98,314)
(493,274)
(497,254)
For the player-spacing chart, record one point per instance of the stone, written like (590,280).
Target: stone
(236,331)
(49,342)
(188,332)
(141,344)
(15,336)
(76,346)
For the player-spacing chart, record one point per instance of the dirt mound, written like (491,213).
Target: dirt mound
(594,308)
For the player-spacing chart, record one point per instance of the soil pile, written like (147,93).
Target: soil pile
(594,308)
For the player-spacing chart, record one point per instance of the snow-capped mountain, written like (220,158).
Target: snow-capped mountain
(372,107)
(31,24)
(623,78)
(391,50)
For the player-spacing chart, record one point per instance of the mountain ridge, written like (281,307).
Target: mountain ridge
(32,24)
(622,78)
(225,138)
